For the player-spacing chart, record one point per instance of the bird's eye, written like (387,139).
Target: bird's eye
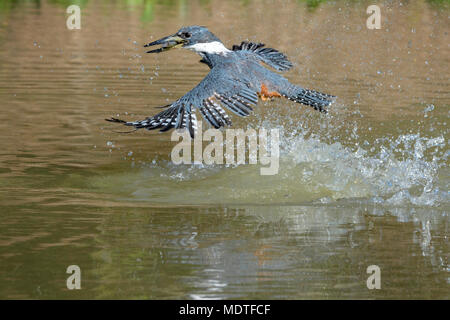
(186,35)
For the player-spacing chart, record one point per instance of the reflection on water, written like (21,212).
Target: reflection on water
(245,252)
(366,184)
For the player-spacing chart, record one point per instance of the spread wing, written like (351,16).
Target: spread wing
(271,57)
(218,90)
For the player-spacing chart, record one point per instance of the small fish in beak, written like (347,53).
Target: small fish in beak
(166,43)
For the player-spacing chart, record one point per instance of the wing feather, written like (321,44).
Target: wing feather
(216,91)
(270,56)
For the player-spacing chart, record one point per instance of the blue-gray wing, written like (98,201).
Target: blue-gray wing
(218,90)
(269,56)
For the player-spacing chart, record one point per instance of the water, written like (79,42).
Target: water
(365,185)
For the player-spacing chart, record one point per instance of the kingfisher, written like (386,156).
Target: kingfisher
(236,80)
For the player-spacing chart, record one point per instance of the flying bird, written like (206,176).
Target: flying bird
(235,82)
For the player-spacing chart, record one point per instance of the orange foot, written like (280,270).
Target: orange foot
(266,95)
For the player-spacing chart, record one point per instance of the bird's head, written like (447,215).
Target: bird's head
(195,38)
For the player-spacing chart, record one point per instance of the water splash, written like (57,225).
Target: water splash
(382,177)
(322,160)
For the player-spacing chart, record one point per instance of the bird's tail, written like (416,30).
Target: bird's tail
(319,101)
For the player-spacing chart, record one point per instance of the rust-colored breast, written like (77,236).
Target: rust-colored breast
(265,94)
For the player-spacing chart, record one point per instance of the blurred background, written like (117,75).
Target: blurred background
(366,184)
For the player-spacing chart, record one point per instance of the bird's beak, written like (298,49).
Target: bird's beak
(167,43)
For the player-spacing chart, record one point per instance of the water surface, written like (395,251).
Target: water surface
(366,184)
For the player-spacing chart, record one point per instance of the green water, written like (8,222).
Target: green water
(365,185)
